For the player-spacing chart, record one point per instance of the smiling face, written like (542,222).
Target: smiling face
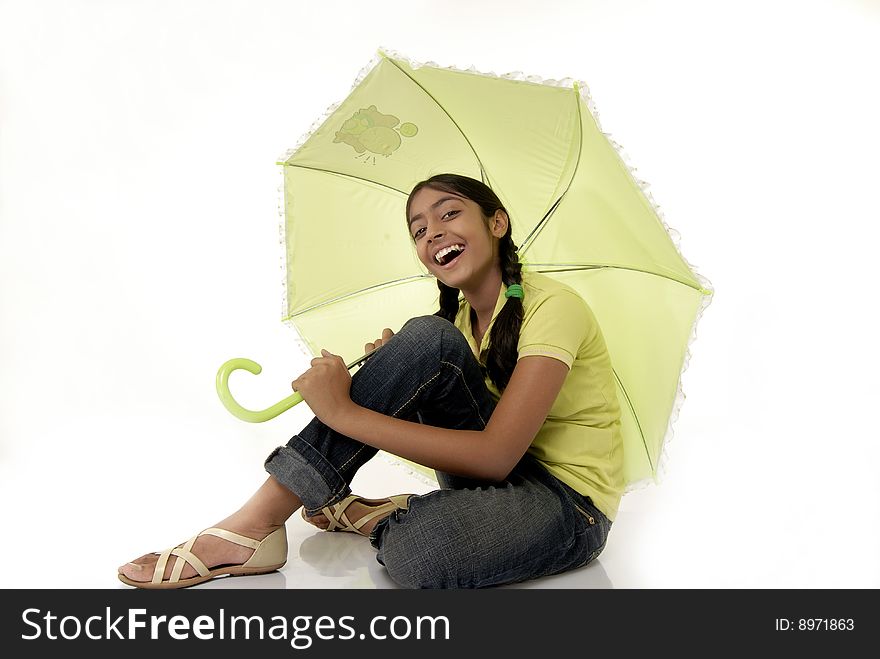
(453,239)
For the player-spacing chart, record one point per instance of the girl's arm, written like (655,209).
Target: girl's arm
(488,454)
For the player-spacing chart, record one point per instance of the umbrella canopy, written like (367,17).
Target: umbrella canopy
(577,213)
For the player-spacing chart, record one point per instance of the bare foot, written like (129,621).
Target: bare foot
(210,549)
(355,510)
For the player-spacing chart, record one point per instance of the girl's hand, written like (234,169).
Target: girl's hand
(386,334)
(326,387)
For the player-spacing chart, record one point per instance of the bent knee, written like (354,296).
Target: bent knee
(427,335)
(429,325)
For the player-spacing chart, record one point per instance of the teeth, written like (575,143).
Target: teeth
(443,252)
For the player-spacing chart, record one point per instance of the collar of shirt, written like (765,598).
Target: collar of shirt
(467,328)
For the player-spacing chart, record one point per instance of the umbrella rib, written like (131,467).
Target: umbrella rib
(528,239)
(454,123)
(635,418)
(344,175)
(358,292)
(569,267)
(534,233)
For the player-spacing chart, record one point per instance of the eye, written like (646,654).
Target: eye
(447,213)
(417,233)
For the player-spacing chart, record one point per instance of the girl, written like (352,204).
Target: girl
(507,393)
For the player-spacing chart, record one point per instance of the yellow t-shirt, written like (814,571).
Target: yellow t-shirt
(580,442)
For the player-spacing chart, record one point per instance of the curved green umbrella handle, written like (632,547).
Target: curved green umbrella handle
(239,411)
(270,412)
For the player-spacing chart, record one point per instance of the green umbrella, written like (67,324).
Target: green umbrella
(577,214)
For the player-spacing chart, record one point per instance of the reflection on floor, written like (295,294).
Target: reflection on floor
(344,560)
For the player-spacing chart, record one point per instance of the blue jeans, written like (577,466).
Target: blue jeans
(469,534)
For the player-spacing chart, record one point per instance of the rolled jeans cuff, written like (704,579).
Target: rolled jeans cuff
(308,474)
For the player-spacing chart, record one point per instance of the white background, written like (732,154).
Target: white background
(139,250)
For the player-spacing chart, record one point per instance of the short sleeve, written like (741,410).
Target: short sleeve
(556,327)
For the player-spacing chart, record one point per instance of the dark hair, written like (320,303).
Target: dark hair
(504,338)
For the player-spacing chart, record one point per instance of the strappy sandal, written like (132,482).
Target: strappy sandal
(270,554)
(339,521)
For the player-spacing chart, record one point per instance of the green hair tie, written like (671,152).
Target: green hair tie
(514,290)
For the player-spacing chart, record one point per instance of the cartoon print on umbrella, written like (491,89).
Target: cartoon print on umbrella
(371,130)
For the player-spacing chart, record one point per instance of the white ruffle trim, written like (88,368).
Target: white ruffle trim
(282,241)
(679,396)
(584,90)
(408,468)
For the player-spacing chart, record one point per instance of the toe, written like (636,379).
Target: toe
(135,572)
(140,569)
(319,519)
